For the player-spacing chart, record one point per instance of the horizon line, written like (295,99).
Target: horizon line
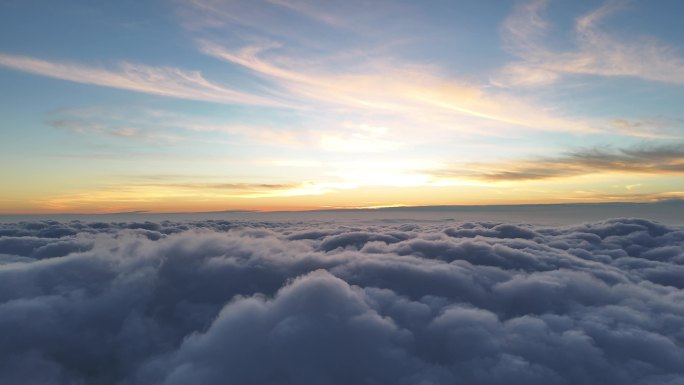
(361,209)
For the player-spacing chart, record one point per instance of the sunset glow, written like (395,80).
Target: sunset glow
(207,105)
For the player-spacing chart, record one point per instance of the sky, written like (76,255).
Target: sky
(205,105)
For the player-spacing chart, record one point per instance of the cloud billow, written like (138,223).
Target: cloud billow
(214,302)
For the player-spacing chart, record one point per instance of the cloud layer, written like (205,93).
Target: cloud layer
(215,302)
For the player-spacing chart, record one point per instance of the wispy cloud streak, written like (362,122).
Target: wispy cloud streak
(417,93)
(596,51)
(164,81)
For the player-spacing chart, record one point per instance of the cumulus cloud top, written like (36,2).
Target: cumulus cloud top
(213,302)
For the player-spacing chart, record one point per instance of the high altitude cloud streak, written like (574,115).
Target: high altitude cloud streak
(596,51)
(164,81)
(418,94)
(215,302)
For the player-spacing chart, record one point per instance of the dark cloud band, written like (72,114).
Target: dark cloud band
(651,159)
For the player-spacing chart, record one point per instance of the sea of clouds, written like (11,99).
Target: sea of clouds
(313,302)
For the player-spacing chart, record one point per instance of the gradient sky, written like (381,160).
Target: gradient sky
(199,105)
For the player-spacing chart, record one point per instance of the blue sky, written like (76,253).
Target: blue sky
(287,104)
